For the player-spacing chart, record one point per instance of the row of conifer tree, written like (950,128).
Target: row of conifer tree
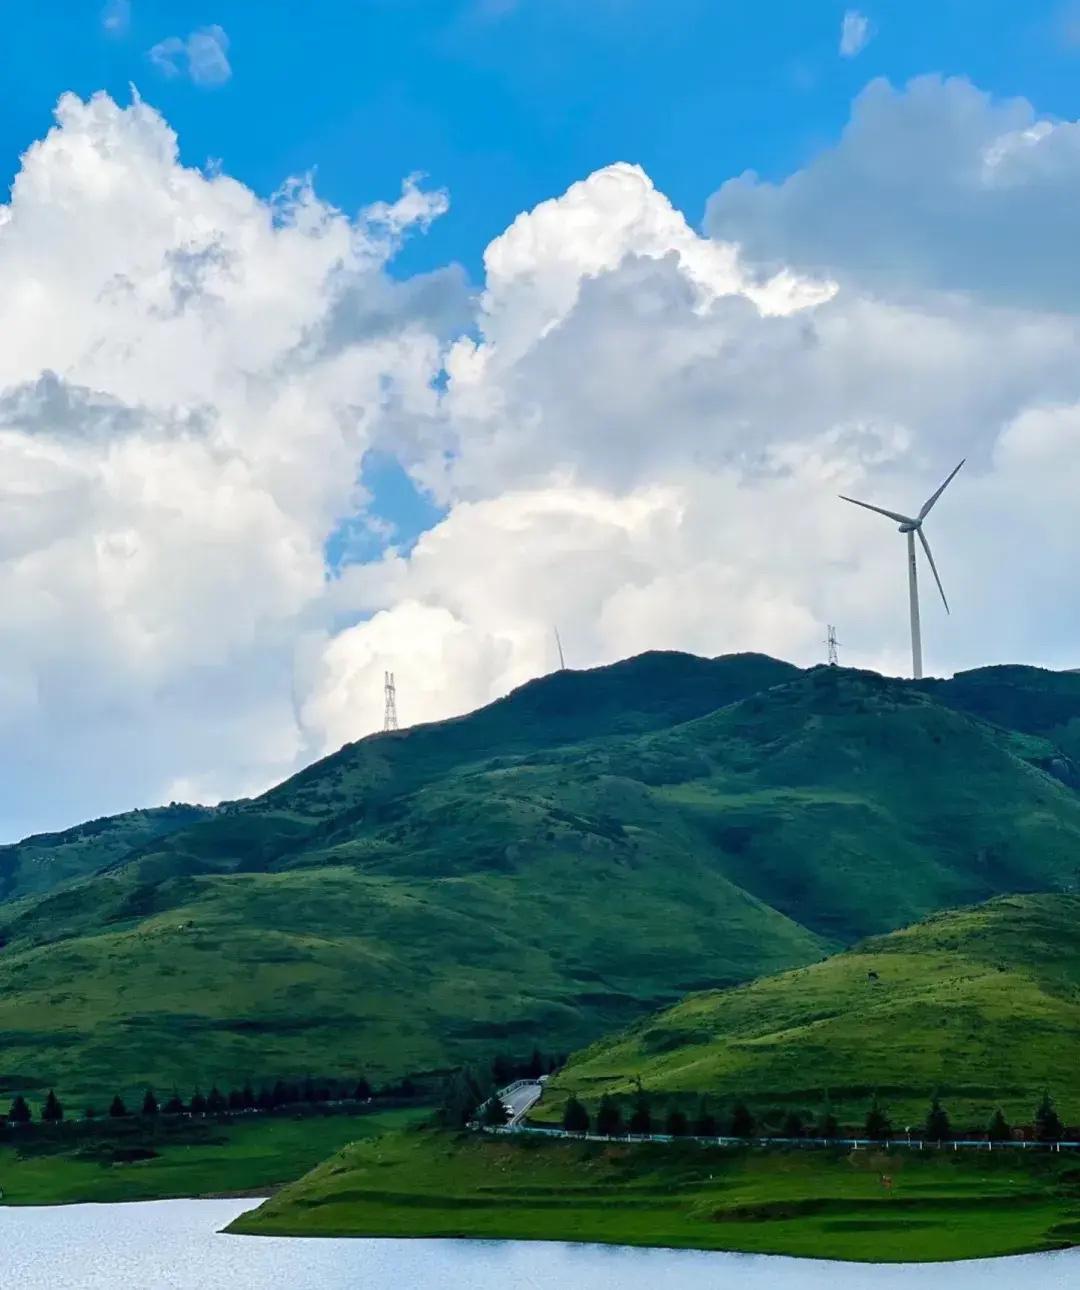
(268,1098)
(741,1122)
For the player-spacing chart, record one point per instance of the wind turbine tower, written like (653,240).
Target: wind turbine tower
(558,646)
(912,525)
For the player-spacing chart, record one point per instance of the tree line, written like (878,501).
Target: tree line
(740,1122)
(269,1097)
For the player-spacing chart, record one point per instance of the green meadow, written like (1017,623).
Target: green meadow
(135,1161)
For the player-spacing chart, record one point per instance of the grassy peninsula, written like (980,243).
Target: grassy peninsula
(940,1206)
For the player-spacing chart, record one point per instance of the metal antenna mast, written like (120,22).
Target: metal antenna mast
(832,642)
(390,710)
(558,644)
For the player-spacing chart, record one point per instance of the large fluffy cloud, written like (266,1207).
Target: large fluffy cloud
(649,429)
(636,431)
(191,377)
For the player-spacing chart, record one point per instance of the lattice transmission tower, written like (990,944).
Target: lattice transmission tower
(833,644)
(390,706)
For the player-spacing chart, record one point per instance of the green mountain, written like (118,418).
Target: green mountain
(980,1006)
(551,867)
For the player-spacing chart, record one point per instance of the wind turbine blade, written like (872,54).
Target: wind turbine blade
(933,566)
(928,505)
(892,515)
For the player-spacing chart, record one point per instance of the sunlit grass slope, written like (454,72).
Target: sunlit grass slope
(981,1006)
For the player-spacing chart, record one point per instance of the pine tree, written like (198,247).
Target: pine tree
(828,1125)
(235,1100)
(215,1101)
(998,1129)
(20,1111)
(90,1113)
(495,1112)
(247,1097)
(117,1109)
(793,1126)
(461,1097)
(575,1117)
(938,1128)
(175,1105)
(362,1091)
(742,1121)
(279,1095)
(502,1070)
(608,1117)
(265,1100)
(878,1125)
(705,1126)
(52,1112)
(641,1119)
(198,1103)
(1047,1122)
(677,1124)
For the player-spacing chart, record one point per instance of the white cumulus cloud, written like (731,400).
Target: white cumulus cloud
(636,430)
(191,379)
(644,440)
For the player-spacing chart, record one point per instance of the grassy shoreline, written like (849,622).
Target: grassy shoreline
(830,1205)
(253,1156)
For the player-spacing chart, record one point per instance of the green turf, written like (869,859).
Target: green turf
(544,871)
(814,1204)
(979,1005)
(241,1156)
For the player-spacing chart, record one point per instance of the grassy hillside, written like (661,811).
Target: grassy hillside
(1029,699)
(980,1005)
(589,849)
(331,970)
(48,860)
(812,1204)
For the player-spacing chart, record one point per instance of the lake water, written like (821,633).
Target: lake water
(178,1245)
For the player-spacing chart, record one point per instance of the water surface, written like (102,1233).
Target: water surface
(178,1245)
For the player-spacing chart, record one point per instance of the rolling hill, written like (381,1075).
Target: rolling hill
(979,1005)
(549,868)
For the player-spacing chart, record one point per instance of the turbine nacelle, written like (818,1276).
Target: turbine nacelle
(909,526)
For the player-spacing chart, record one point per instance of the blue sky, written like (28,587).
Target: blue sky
(507,102)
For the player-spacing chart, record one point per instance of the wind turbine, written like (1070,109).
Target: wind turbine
(911,526)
